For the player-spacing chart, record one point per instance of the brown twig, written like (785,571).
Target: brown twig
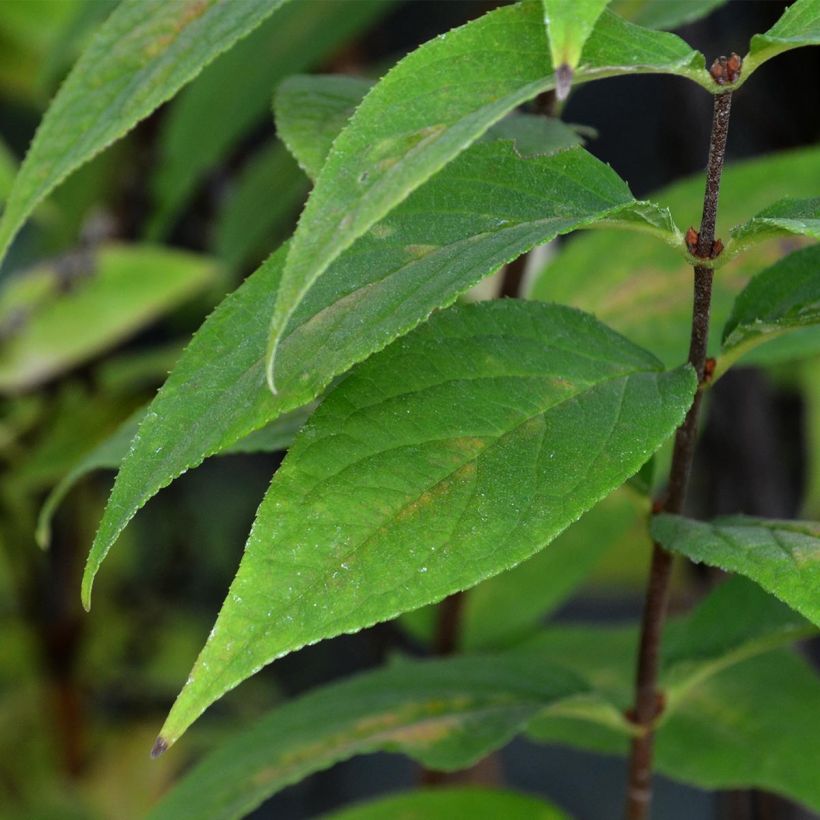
(648,700)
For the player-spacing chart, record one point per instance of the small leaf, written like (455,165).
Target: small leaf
(392,145)
(446,714)
(233,94)
(483,210)
(108,454)
(569,24)
(799,26)
(788,217)
(781,299)
(452,455)
(109,296)
(782,556)
(449,803)
(139,58)
(261,208)
(643,289)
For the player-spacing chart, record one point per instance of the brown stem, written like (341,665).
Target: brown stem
(648,700)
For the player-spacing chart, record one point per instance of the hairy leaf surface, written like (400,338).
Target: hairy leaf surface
(781,299)
(446,714)
(233,94)
(569,24)
(394,143)
(782,556)
(644,290)
(451,802)
(57,317)
(789,217)
(452,455)
(140,57)
(799,26)
(483,210)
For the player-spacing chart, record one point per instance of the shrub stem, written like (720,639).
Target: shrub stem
(648,700)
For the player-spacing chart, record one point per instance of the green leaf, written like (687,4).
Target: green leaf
(109,296)
(736,718)
(392,145)
(783,298)
(8,168)
(782,556)
(311,110)
(483,210)
(569,24)
(664,14)
(788,217)
(799,26)
(262,206)
(233,94)
(449,803)
(108,454)
(446,714)
(643,289)
(139,58)
(452,455)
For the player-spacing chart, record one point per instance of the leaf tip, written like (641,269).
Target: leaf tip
(160,747)
(563,81)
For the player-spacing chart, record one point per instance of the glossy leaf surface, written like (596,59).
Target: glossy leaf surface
(483,210)
(58,318)
(393,143)
(452,455)
(782,556)
(799,26)
(140,57)
(446,714)
(449,803)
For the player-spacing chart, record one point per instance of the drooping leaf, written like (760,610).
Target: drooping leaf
(109,295)
(447,714)
(781,299)
(799,26)
(450,456)
(664,14)
(261,207)
(483,210)
(788,217)
(644,289)
(233,94)
(569,24)
(782,556)
(109,454)
(451,802)
(393,144)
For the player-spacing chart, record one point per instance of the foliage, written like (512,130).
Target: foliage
(456,466)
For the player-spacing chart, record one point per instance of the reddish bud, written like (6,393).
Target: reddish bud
(691,240)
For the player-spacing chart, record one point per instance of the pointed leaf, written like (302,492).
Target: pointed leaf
(788,217)
(481,211)
(643,289)
(782,556)
(108,296)
(452,455)
(799,26)
(108,454)
(569,24)
(392,145)
(447,714)
(139,58)
(233,95)
(781,299)
(449,803)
